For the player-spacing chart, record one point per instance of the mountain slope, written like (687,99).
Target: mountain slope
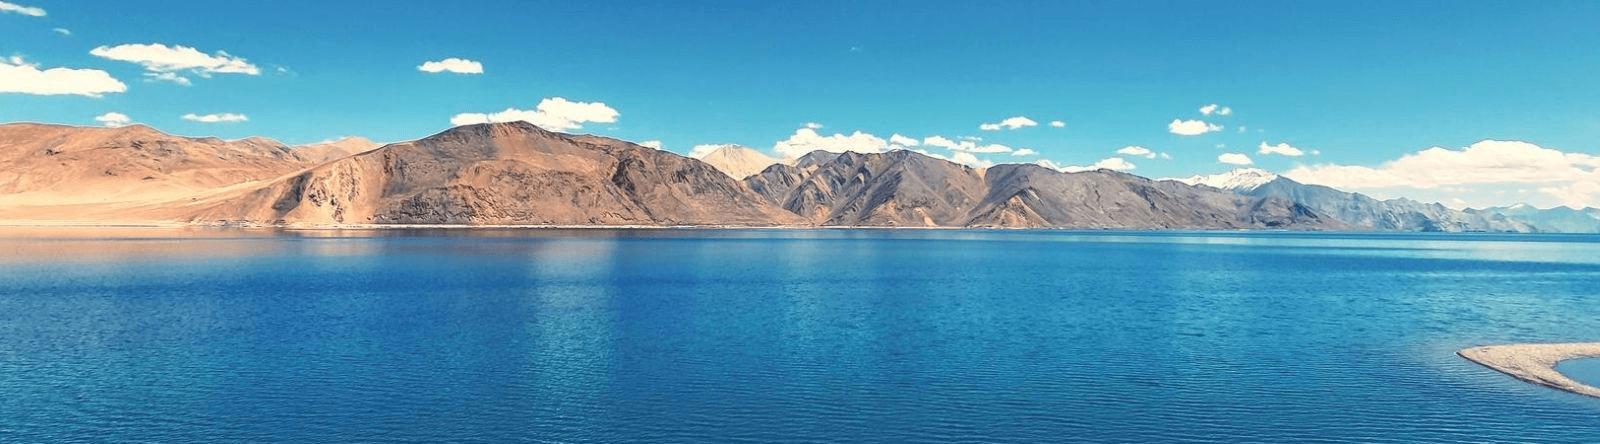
(737,161)
(898,188)
(1361,211)
(503,173)
(57,171)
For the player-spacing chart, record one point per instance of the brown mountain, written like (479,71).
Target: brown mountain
(502,173)
(65,172)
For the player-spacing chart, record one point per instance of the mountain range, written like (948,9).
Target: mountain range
(519,174)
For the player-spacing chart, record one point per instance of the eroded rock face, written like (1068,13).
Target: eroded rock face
(506,174)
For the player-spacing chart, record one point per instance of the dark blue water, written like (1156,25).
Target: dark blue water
(784,336)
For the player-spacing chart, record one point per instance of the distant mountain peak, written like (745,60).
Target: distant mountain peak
(736,161)
(1242,179)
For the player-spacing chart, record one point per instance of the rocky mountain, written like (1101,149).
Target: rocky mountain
(1552,220)
(338,149)
(519,174)
(737,161)
(65,172)
(502,173)
(1361,211)
(904,188)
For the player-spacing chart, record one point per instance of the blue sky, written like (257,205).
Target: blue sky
(1354,87)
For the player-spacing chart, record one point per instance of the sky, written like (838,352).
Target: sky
(1466,103)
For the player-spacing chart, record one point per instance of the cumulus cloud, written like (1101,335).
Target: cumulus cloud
(20,9)
(1009,123)
(993,148)
(902,141)
(806,139)
(1215,109)
(19,76)
(1057,124)
(1024,152)
(171,64)
(1191,127)
(1569,178)
(653,144)
(1235,159)
(813,125)
(453,65)
(113,119)
(552,114)
(215,118)
(1282,148)
(1135,150)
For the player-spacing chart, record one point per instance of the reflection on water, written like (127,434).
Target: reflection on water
(783,335)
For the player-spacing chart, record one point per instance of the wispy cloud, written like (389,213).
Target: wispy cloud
(173,63)
(1282,149)
(215,118)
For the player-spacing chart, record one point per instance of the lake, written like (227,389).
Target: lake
(864,336)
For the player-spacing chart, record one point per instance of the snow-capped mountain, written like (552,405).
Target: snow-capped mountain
(1239,180)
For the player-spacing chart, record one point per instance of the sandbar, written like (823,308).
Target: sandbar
(1536,363)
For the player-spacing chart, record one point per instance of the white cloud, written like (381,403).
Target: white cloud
(805,140)
(453,65)
(552,114)
(19,9)
(113,119)
(1191,127)
(1024,152)
(970,160)
(168,77)
(903,141)
(993,148)
(1215,109)
(931,154)
(940,141)
(18,76)
(1165,156)
(1058,124)
(169,63)
(1569,178)
(215,118)
(652,144)
(813,125)
(1134,150)
(1282,148)
(1235,159)
(1009,123)
(62,31)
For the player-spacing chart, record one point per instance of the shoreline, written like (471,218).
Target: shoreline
(1536,363)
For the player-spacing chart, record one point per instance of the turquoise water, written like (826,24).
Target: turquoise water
(871,336)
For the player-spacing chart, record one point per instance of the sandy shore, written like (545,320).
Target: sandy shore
(1536,363)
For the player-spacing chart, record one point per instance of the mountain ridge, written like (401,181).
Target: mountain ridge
(519,174)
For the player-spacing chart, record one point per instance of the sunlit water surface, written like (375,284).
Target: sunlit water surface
(867,336)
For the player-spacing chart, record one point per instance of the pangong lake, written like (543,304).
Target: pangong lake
(786,336)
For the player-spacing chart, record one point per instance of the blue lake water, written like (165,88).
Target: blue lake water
(867,336)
